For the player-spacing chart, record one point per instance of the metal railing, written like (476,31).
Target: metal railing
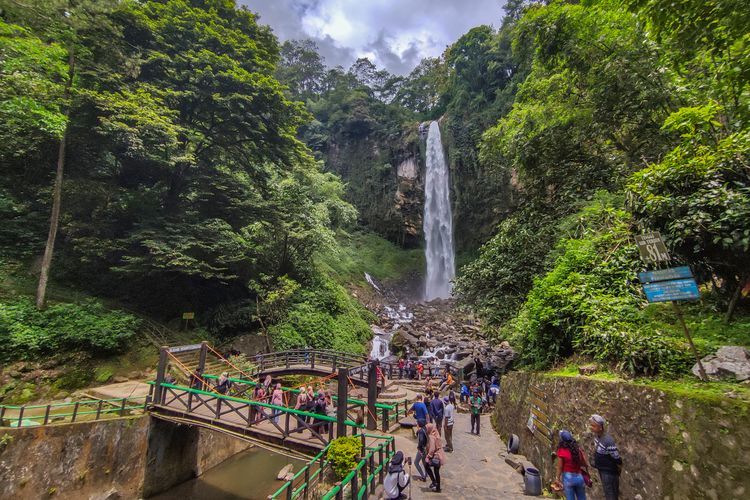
(218,408)
(58,413)
(367,473)
(386,414)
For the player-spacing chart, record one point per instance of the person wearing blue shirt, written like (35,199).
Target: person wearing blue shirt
(465,394)
(419,409)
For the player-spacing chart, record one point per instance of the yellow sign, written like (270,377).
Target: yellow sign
(188,315)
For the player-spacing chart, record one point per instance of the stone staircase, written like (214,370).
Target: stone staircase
(188,362)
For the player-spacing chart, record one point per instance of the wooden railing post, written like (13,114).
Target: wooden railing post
(372,468)
(372,396)
(202,356)
(343,397)
(380,459)
(307,483)
(355,486)
(75,411)
(99,409)
(385,425)
(122,406)
(160,374)
(46,414)
(20,416)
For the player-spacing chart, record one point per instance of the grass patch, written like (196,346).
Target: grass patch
(362,252)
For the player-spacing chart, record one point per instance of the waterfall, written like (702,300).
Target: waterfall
(438,220)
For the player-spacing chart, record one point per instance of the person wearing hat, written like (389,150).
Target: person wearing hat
(571,462)
(607,458)
(397,479)
(475,402)
(448,414)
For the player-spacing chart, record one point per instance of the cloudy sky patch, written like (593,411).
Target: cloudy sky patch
(395,34)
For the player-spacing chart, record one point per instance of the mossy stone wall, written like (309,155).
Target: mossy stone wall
(674,446)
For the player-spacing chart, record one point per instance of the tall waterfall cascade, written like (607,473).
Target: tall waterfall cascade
(438,221)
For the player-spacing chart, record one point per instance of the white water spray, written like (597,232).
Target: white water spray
(438,221)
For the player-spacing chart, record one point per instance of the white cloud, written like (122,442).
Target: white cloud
(395,34)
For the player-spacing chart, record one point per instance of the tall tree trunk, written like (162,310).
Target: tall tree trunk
(41,291)
(735,298)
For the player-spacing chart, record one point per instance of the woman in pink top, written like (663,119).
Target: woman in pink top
(277,399)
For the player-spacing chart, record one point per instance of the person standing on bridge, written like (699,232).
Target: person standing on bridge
(607,458)
(223,384)
(277,399)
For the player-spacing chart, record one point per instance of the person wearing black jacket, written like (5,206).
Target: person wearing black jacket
(419,463)
(607,459)
(437,410)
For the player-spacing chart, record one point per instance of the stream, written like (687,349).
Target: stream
(250,475)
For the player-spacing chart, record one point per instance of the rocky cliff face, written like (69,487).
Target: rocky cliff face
(385,181)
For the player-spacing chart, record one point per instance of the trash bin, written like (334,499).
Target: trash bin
(532,482)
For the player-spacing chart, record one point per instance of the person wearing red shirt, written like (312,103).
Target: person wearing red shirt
(571,462)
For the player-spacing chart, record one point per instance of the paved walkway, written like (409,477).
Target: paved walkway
(474,469)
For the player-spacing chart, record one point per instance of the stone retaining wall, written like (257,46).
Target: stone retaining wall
(673,447)
(125,458)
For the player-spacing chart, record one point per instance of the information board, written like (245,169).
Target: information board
(665,274)
(652,247)
(664,291)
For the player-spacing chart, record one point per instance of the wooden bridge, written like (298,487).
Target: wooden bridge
(195,400)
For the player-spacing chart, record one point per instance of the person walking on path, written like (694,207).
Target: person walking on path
(301,405)
(449,420)
(437,411)
(397,479)
(571,462)
(435,456)
(419,463)
(607,458)
(475,404)
(419,409)
(401,366)
(465,394)
(277,399)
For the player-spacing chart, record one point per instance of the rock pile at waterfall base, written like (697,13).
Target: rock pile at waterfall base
(439,330)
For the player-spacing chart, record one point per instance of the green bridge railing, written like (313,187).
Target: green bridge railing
(369,471)
(58,413)
(387,414)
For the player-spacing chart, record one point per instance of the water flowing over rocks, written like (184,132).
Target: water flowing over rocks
(437,330)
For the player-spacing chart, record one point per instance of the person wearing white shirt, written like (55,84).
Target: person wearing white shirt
(397,479)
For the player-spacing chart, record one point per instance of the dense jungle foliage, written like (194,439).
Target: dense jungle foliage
(184,186)
(633,117)
(206,167)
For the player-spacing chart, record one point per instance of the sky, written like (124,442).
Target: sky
(394,34)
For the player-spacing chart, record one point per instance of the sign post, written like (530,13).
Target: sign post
(668,285)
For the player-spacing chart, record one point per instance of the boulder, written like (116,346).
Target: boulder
(285,472)
(728,362)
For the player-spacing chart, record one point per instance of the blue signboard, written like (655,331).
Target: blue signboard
(664,291)
(665,274)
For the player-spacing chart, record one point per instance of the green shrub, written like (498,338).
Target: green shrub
(343,455)
(26,332)
(589,303)
(324,316)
